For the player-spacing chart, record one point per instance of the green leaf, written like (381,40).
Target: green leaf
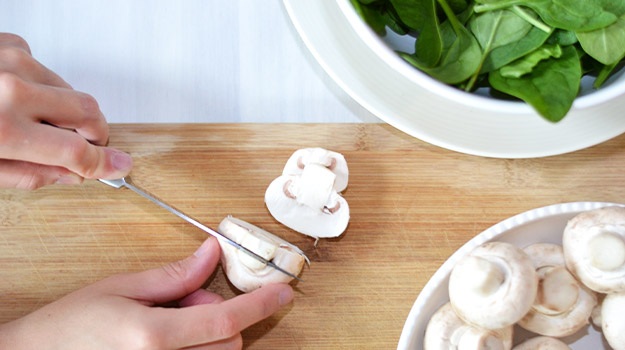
(371,16)
(505,54)
(550,88)
(421,15)
(606,45)
(526,64)
(510,28)
(579,15)
(562,37)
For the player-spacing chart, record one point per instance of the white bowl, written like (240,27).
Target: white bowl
(385,48)
(544,224)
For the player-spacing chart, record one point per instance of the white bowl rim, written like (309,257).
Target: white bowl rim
(379,47)
(483,237)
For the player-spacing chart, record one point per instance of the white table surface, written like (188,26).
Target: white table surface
(184,60)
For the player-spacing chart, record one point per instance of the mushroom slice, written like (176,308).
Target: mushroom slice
(331,160)
(494,286)
(307,203)
(594,249)
(447,331)
(247,273)
(562,305)
(542,343)
(612,321)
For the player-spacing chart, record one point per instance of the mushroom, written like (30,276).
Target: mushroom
(494,286)
(562,305)
(542,343)
(335,162)
(447,331)
(247,273)
(308,203)
(612,321)
(594,249)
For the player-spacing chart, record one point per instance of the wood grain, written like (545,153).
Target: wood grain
(412,205)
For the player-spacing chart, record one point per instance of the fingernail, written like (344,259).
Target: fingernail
(203,248)
(122,161)
(285,296)
(69,180)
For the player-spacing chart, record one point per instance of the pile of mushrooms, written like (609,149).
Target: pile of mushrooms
(306,197)
(247,273)
(545,288)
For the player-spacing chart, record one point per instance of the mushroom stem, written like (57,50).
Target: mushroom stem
(557,291)
(482,276)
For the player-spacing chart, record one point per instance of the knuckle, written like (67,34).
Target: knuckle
(89,105)
(75,153)
(14,39)
(14,57)
(13,90)
(179,273)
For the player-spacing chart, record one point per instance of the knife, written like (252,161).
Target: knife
(119,183)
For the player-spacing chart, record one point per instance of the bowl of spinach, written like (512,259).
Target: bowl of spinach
(503,55)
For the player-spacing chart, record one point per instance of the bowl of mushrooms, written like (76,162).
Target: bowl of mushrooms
(549,278)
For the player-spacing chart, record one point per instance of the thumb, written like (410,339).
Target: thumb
(175,280)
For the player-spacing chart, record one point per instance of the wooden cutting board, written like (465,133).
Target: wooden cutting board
(412,205)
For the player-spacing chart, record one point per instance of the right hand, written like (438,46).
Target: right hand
(49,132)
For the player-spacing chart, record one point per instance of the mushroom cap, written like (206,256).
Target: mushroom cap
(494,286)
(446,330)
(314,222)
(594,249)
(562,305)
(542,343)
(612,320)
(242,270)
(332,160)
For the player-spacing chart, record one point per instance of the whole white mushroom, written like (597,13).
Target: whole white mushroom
(542,343)
(613,320)
(446,331)
(594,249)
(494,286)
(562,305)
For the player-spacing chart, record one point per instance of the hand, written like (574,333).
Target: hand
(121,312)
(49,132)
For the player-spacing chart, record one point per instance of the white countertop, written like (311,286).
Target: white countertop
(183,61)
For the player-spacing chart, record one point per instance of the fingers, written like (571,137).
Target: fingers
(174,281)
(31,176)
(200,297)
(203,324)
(9,39)
(66,108)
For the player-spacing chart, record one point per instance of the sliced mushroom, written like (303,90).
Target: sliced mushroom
(247,273)
(447,331)
(308,203)
(331,160)
(494,286)
(594,249)
(562,305)
(612,320)
(542,343)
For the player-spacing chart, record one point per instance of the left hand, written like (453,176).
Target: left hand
(122,312)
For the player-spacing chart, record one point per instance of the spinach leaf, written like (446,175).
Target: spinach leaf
(505,54)
(603,75)
(421,15)
(581,15)
(606,45)
(371,16)
(562,37)
(526,64)
(460,57)
(550,87)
